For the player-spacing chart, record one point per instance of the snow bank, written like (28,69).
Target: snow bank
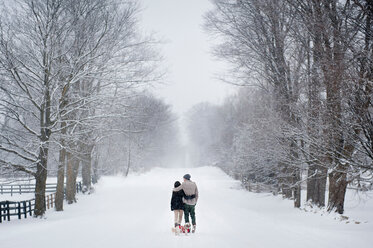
(135,212)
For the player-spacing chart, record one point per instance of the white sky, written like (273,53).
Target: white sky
(191,68)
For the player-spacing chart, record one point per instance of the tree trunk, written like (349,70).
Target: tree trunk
(337,177)
(285,181)
(320,188)
(337,189)
(333,67)
(316,185)
(296,173)
(338,181)
(86,170)
(297,188)
(41,180)
(95,168)
(42,165)
(71,175)
(128,157)
(60,191)
(75,176)
(311,183)
(61,172)
(317,173)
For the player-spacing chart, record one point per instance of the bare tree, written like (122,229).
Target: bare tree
(62,61)
(258,43)
(308,56)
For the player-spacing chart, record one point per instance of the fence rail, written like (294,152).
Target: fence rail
(10,208)
(24,188)
(25,208)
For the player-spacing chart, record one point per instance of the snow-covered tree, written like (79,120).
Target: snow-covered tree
(312,60)
(62,64)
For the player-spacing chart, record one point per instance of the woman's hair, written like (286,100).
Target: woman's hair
(177,184)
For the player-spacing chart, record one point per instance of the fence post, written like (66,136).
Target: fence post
(1,212)
(8,210)
(24,209)
(52,200)
(19,210)
(1,186)
(29,207)
(20,189)
(11,190)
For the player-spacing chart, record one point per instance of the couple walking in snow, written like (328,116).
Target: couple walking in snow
(183,201)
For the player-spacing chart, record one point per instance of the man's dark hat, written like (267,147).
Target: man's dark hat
(187,176)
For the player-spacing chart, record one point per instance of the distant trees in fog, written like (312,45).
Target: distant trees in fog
(146,136)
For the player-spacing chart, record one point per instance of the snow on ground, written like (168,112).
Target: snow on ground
(135,212)
(17,197)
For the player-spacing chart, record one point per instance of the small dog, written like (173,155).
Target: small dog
(187,228)
(182,229)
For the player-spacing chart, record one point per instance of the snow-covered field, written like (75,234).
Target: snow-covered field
(134,212)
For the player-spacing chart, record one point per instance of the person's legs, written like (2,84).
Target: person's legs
(176,217)
(193,215)
(186,213)
(181,212)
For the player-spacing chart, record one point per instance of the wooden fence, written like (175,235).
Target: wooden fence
(24,188)
(25,208)
(10,208)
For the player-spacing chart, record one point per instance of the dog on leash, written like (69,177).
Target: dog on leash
(182,229)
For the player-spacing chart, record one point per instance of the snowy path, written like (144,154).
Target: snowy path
(134,212)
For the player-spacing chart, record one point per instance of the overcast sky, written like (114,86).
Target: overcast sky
(191,68)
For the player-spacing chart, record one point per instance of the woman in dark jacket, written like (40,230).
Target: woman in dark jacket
(177,204)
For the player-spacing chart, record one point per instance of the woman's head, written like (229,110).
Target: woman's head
(177,184)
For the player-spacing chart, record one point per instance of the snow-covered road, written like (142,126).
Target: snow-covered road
(135,212)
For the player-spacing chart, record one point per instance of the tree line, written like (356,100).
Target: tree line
(303,112)
(73,92)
